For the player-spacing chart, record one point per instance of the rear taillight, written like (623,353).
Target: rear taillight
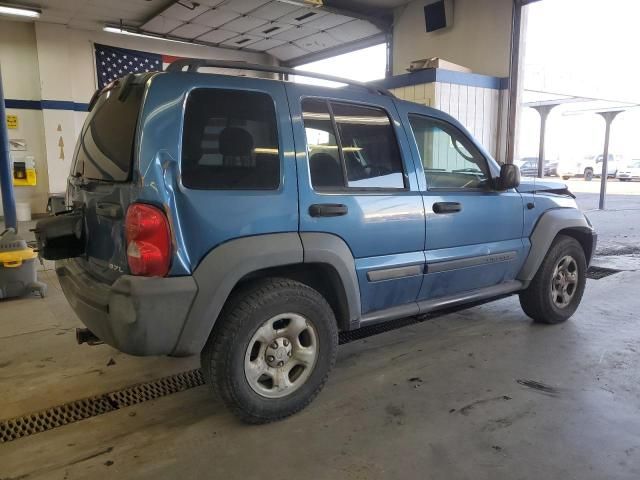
(148,240)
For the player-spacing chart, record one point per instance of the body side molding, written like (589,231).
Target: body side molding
(426,306)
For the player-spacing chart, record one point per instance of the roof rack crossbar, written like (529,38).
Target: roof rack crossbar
(193,64)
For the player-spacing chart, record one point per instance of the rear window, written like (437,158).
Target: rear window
(105,147)
(230,141)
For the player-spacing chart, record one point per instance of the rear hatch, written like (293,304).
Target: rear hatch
(101,182)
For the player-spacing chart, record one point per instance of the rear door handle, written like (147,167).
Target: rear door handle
(328,210)
(447,207)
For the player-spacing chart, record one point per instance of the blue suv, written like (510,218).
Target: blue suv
(249,220)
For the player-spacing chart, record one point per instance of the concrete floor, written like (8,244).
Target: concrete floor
(446,398)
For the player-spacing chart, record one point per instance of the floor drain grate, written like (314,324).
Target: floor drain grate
(71,412)
(596,273)
(30,424)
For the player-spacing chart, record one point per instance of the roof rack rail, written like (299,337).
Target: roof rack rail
(193,64)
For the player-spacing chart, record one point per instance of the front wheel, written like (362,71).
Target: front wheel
(271,349)
(556,290)
(566,177)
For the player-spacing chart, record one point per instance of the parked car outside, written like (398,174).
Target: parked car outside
(249,220)
(529,167)
(630,172)
(590,167)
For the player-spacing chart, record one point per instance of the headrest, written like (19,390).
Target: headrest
(235,142)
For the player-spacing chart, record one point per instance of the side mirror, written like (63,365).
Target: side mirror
(509,177)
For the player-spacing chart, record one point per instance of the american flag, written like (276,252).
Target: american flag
(114,62)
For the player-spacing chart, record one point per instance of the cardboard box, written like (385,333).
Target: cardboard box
(436,62)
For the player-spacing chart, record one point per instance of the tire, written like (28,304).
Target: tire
(537,300)
(623,179)
(239,346)
(588,174)
(566,177)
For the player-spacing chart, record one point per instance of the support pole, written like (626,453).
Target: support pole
(6,177)
(544,111)
(608,119)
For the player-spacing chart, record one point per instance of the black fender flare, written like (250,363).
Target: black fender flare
(224,266)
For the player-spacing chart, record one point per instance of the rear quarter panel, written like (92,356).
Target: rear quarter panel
(203,219)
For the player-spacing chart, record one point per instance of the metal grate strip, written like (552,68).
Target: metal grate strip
(71,412)
(30,424)
(596,273)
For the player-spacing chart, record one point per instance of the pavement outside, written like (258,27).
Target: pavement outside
(479,394)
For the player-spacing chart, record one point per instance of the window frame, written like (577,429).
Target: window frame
(346,189)
(491,187)
(277,135)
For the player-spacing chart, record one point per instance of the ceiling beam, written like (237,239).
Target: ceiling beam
(380,17)
(335,51)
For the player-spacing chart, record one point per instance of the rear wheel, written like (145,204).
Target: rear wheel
(556,290)
(271,350)
(566,177)
(588,174)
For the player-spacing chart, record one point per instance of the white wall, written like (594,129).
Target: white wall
(21,80)
(479,39)
(53,62)
(478,109)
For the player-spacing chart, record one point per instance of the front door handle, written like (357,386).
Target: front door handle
(328,210)
(447,207)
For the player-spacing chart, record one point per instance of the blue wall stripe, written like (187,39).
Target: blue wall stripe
(46,105)
(431,75)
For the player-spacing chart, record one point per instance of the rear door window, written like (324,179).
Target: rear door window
(105,147)
(230,141)
(351,147)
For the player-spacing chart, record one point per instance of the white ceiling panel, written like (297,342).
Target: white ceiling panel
(354,30)
(270,29)
(274,10)
(242,41)
(243,6)
(210,3)
(294,34)
(266,44)
(244,24)
(160,24)
(302,16)
(318,42)
(179,12)
(215,18)
(217,36)
(287,52)
(328,21)
(190,30)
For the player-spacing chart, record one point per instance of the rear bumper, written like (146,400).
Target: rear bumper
(136,315)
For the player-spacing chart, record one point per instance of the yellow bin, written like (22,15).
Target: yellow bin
(18,274)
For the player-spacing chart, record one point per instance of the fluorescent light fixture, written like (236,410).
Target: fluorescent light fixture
(122,31)
(304,3)
(19,11)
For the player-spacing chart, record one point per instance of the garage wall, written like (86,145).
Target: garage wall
(479,39)
(54,65)
(21,80)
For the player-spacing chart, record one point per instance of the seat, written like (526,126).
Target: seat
(325,171)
